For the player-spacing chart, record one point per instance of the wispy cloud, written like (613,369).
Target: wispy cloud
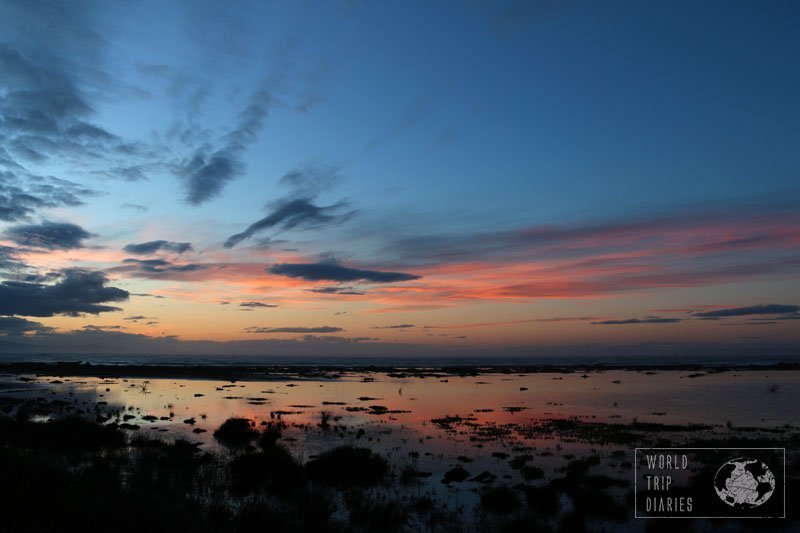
(254,305)
(347,291)
(648,320)
(209,169)
(298,210)
(764,309)
(49,235)
(292,214)
(155,268)
(298,329)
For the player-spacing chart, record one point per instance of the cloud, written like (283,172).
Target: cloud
(135,207)
(21,195)
(292,214)
(155,268)
(47,91)
(44,111)
(9,260)
(13,326)
(138,318)
(256,304)
(318,329)
(207,172)
(49,235)
(310,179)
(298,210)
(337,290)
(77,292)
(92,327)
(397,326)
(648,320)
(477,325)
(337,339)
(769,309)
(328,271)
(151,247)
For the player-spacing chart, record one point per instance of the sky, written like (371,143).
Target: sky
(400,178)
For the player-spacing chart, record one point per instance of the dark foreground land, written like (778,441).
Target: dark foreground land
(68,467)
(259,372)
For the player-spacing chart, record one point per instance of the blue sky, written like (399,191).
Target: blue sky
(524,161)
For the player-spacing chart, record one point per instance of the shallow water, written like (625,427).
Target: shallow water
(437,422)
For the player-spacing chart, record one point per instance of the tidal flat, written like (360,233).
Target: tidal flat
(393,449)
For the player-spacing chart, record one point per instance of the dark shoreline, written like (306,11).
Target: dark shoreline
(272,372)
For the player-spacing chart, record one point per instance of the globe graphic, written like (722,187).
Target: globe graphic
(744,483)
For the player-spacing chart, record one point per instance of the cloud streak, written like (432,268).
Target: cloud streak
(298,329)
(648,320)
(325,271)
(49,235)
(15,326)
(768,309)
(151,247)
(292,214)
(206,173)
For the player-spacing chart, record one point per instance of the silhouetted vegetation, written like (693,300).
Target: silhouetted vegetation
(347,466)
(236,432)
(500,500)
(274,469)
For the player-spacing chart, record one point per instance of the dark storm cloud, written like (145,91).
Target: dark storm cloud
(152,247)
(76,292)
(319,329)
(291,214)
(12,325)
(337,290)
(326,271)
(209,169)
(769,309)
(48,235)
(648,320)
(256,305)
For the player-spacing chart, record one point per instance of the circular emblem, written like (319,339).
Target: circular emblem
(744,483)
